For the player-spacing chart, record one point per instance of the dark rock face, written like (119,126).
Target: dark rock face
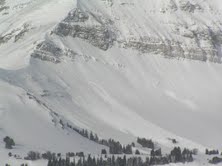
(188,6)
(15,34)
(206,45)
(100,34)
(49,51)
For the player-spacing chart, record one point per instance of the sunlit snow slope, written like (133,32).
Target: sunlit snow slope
(122,69)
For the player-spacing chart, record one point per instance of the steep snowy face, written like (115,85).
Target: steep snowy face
(172,28)
(110,36)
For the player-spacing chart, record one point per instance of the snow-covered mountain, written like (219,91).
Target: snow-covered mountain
(120,68)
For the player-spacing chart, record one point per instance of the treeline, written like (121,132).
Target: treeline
(115,147)
(110,161)
(211,152)
(175,156)
(146,143)
(33,155)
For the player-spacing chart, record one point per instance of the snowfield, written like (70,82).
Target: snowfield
(122,69)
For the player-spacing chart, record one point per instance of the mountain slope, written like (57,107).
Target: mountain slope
(121,69)
(24,23)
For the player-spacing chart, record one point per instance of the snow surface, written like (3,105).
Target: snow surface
(119,93)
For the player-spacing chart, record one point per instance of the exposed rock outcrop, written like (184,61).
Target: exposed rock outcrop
(187,6)
(49,51)
(100,34)
(189,38)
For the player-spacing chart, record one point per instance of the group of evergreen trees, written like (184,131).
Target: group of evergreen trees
(83,132)
(115,147)
(216,159)
(157,152)
(33,156)
(212,152)
(111,161)
(146,143)
(175,156)
(156,158)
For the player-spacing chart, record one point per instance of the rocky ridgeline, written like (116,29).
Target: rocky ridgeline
(15,34)
(49,51)
(76,25)
(202,45)
(98,34)
(199,42)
